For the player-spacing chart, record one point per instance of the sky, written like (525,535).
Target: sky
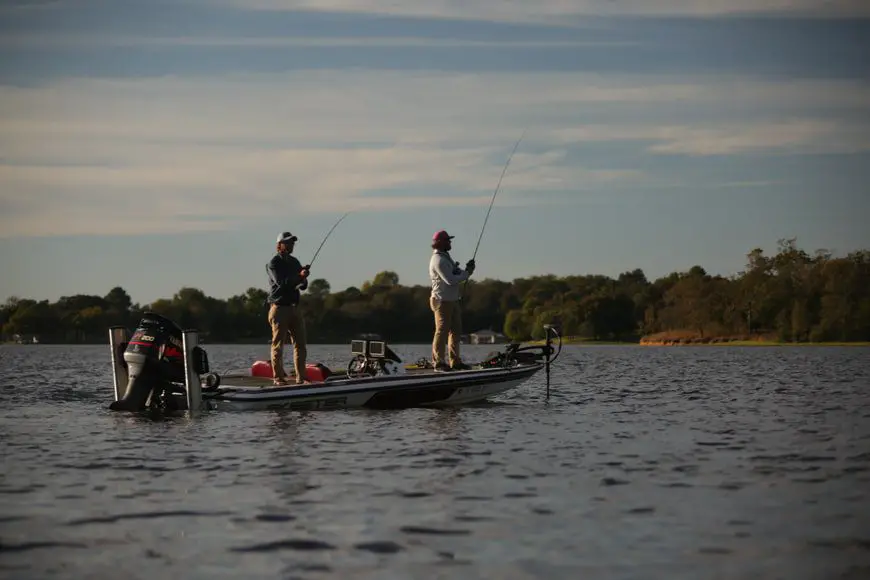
(165,144)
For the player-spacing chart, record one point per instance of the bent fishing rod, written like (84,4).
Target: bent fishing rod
(497,186)
(325,238)
(492,201)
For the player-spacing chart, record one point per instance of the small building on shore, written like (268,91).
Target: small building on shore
(487,336)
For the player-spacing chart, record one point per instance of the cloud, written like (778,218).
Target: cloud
(43,41)
(772,137)
(796,136)
(97,156)
(158,188)
(558,11)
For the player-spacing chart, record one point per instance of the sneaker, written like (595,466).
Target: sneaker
(442,368)
(461,366)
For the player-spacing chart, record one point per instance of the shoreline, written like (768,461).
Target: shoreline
(712,341)
(758,343)
(688,338)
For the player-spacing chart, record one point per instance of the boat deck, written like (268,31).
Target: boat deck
(241,380)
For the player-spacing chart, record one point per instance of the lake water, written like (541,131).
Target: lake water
(674,463)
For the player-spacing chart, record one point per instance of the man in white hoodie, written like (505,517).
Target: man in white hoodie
(446,276)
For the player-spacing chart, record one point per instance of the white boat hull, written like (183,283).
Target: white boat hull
(413,390)
(161,367)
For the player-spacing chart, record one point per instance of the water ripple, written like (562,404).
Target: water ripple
(433,531)
(28,546)
(144,516)
(278,545)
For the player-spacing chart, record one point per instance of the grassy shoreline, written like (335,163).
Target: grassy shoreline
(759,343)
(690,338)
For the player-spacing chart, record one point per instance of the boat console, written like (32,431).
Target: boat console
(373,358)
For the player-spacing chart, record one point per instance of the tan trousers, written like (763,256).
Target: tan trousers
(448,329)
(287,320)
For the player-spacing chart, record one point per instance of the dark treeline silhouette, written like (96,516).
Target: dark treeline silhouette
(792,296)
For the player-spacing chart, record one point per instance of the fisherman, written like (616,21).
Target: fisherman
(446,275)
(287,277)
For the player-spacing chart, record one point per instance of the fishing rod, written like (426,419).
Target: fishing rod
(324,240)
(496,193)
(327,236)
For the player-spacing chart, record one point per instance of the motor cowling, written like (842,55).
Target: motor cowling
(154,358)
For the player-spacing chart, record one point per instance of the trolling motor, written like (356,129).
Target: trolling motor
(155,364)
(549,329)
(515,354)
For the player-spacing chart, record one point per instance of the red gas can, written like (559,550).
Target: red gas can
(261,368)
(314,372)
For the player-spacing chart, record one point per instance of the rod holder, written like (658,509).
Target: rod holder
(192,385)
(118,339)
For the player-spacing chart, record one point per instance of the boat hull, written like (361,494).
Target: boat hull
(430,389)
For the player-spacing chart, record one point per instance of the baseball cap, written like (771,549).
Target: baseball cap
(286,237)
(441,235)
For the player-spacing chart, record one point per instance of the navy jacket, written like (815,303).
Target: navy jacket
(284,277)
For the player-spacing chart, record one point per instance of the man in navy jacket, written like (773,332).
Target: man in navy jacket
(287,277)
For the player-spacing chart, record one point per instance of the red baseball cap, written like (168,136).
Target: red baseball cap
(441,235)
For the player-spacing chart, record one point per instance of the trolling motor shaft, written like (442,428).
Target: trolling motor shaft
(550,331)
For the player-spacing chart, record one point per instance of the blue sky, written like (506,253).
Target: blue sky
(155,145)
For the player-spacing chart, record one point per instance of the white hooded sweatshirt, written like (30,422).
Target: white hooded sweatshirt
(446,276)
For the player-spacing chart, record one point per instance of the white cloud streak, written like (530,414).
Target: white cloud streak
(559,11)
(791,136)
(88,156)
(43,41)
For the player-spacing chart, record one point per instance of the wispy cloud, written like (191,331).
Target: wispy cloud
(92,156)
(44,41)
(772,137)
(557,11)
(154,190)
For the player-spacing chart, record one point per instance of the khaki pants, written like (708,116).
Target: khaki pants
(448,329)
(286,320)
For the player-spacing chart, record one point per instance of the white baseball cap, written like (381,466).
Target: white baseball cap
(286,237)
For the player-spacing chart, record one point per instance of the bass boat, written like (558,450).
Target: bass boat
(163,367)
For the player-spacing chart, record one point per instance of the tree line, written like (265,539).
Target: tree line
(793,296)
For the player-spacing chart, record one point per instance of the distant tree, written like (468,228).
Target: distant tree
(318,287)
(118,300)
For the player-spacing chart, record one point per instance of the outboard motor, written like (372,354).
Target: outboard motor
(154,358)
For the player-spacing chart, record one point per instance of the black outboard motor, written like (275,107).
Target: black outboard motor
(154,358)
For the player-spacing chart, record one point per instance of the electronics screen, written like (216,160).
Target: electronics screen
(376,348)
(358,347)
